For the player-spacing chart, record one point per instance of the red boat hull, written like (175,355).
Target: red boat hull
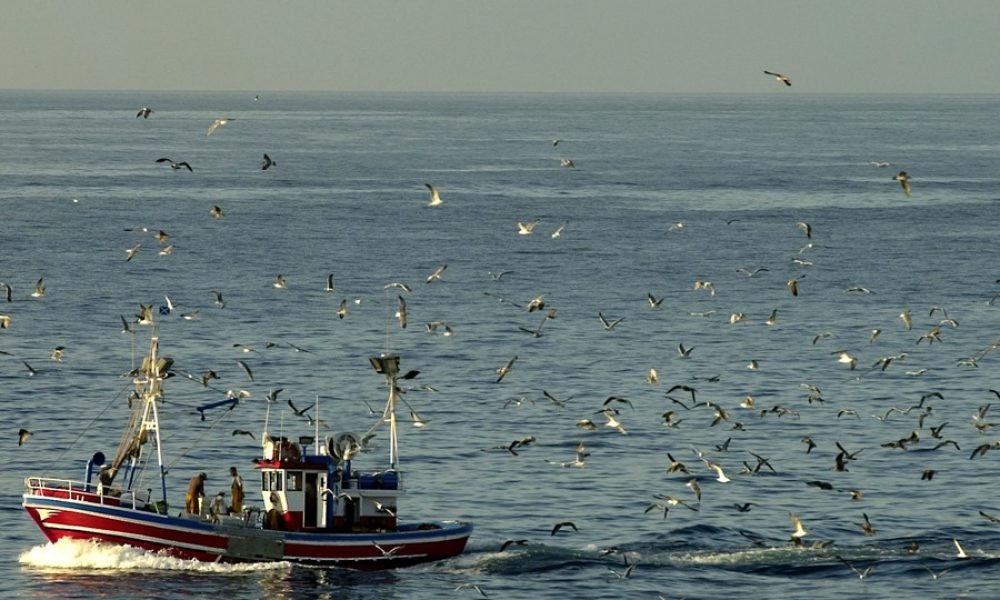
(87,516)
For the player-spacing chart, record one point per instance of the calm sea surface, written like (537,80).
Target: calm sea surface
(666,191)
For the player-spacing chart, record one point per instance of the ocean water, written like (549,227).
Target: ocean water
(666,191)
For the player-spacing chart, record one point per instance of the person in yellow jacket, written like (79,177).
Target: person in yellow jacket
(237,492)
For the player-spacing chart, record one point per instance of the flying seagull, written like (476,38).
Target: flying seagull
(782,78)
(559,526)
(435,196)
(502,371)
(176,166)
(266,163)
(144,112)
(216,124)
(904,181)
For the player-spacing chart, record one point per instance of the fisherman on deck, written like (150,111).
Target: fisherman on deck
(218,506)
(195,494)
(237,492)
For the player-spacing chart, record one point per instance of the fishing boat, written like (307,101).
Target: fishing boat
(316,508)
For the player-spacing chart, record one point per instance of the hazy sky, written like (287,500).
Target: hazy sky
(503,45)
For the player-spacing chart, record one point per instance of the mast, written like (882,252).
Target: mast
(145,422)
(388,365)
(156,371)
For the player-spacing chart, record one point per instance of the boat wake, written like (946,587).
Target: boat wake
(70,554)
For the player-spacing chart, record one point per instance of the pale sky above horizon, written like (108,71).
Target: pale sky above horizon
(832,46)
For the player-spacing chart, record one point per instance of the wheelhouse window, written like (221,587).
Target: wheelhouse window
(294,481)
(270,481)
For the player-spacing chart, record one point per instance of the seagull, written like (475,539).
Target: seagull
(387,510)
(385,552)
(654,302)
(609,325)
(436,275)
(793,285)
(58,353)
(867,526)
(961,551)
(504,370)
(22,436)
(693,484)
(752,273)
(216,212)
(844,357)
(144,112)
(435,196)
(218,299)
(565,162)
(684,352)
(216,124)
(548,396)
(880,163)
(176,166)
(246,368)
(806,227)
(904,181)
(39,289)
(507,543)
(330,286)
(300,413)
(559,526)
(860,574)
(266,163)
(131,252)
(721,475)
(474,586)
(907,319)
(537,303)
(782,78)
(612,421)
(397,284)
(279,282)
(558,232)
(244,432)
(9,291)
(526,228)
(800,531)
(705,285)
(401,312)
(342,309)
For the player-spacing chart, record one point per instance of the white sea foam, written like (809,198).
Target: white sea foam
(80,554)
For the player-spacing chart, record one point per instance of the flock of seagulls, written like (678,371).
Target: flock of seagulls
(688,405)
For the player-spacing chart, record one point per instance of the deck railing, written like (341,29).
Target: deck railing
(86,492)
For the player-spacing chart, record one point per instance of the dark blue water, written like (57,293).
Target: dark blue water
(666,191)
